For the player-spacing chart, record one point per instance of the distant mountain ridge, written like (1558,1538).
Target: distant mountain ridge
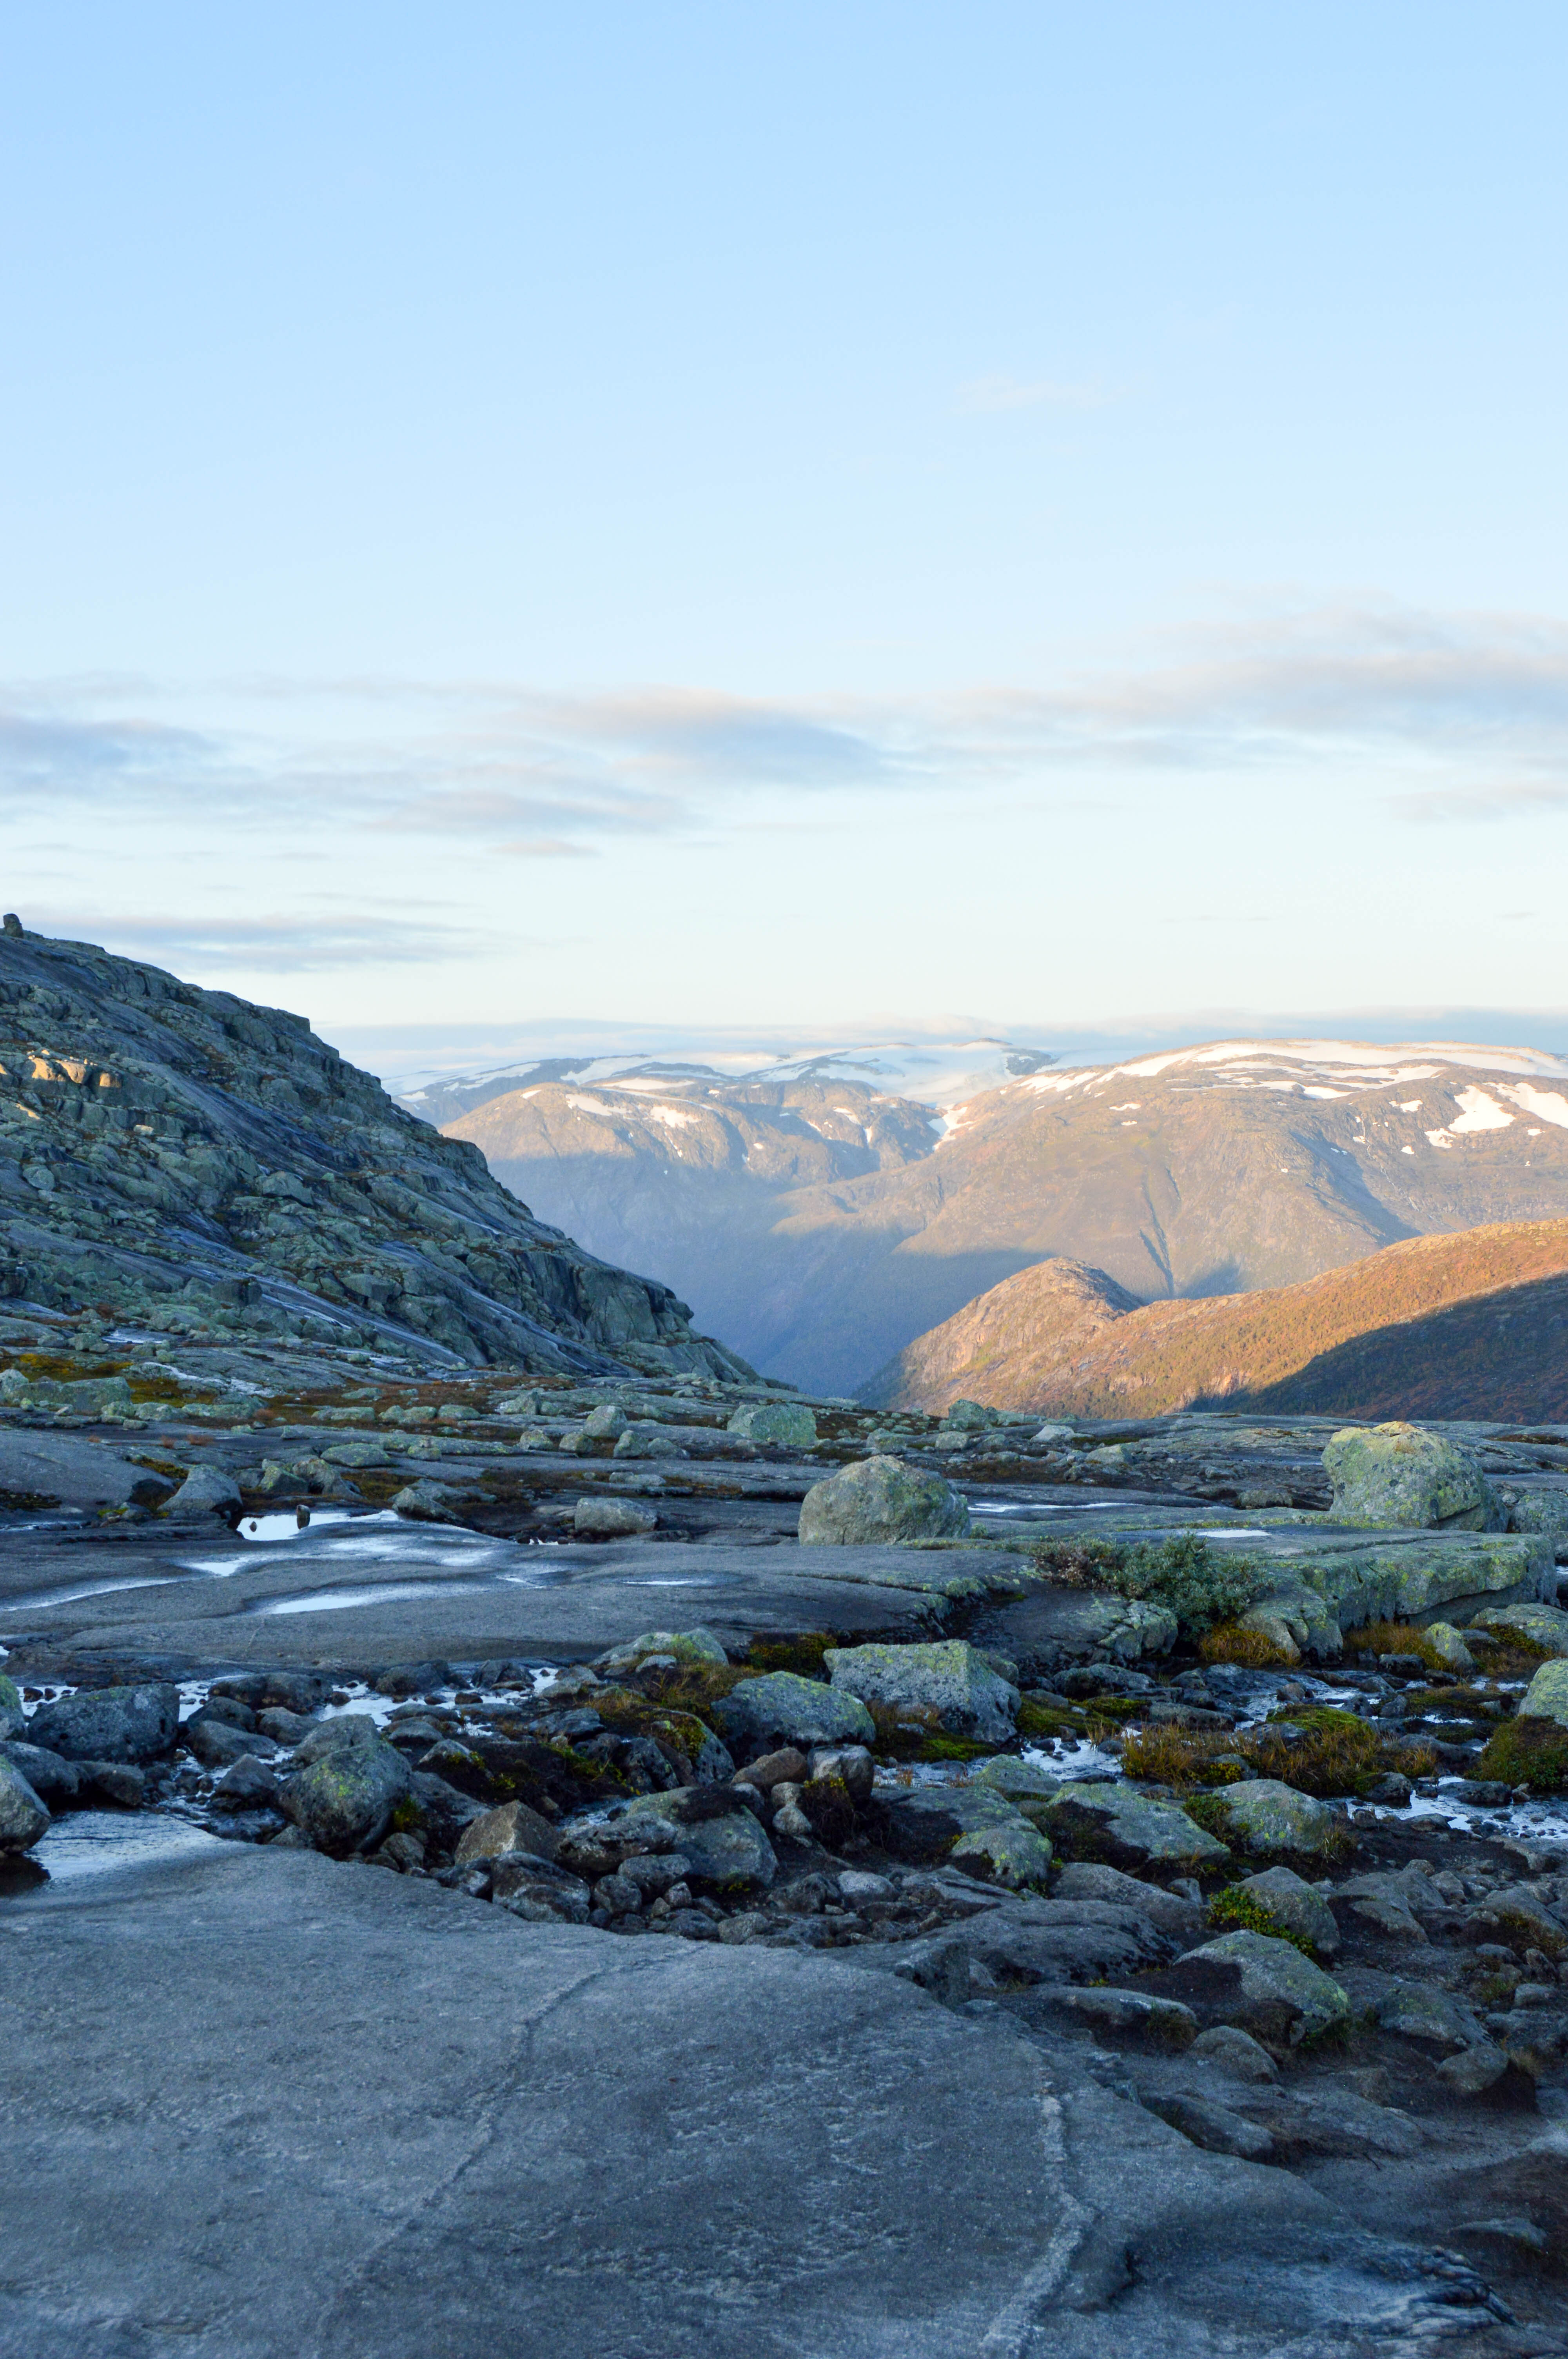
(822,1224)
(1472,1325)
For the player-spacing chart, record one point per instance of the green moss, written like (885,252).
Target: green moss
(1532,1753)
(1042,1719)
(802,1653)
(1235,1911)
(408,1818)
(1200,1585)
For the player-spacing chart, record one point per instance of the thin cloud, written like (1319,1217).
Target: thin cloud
(289,944)
(987,395)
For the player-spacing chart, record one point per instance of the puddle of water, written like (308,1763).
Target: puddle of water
(97,1842)
(285,1524)
(342,1600)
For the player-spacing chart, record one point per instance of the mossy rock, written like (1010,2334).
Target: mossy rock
(1532,1753)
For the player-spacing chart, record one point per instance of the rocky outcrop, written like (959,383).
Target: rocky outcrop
(199,1164)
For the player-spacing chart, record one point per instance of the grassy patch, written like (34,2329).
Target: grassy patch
(1375,1638)
(1235,1911)
(1199,1584)
(1227,1642)
(1532,1753)
(1340,1753)
(1507,1655)
(802,1654)
(1183,1757)
(1038,1720)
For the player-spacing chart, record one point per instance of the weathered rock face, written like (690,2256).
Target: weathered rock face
(1401,1474)
(194,1161)
(109,1723)
(881,1499)
(948,1677)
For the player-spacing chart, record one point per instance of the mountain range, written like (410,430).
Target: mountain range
(1468,1326)
(821,1221)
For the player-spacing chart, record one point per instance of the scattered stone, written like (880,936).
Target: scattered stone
(783,1423)
(1130,1829)
(425,1502)
(1263,1816)
(1133,2016)
(1543,1625)
(1176,1915)
(49,1775)
(1399,1475)
(247,1784)
(23,1816)
(1448,1644)
(513,1827)
(205,1488)
(781,1708)
(1264,1986)
(881,1500)
(613,1518)
(134,1724)
(1235,2052)
(344,1797)
(1422,2012)
(1294,1904)
(947,1678)
(1473,2071)
(1546,1698)
(1214,2127)
(685,1645)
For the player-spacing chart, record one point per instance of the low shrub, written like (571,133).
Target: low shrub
(1532,1753)
(1338,1752)
(1235,1911)
(1227,1642)
(1182,1757)
(1201,1585)
(801,1653)
(1393,1638)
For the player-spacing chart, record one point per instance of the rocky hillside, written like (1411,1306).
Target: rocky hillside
(822,1224)
(181,1159)
(1467,1326)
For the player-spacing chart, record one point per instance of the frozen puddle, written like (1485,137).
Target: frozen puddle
(288,1526)
(99,1842)
(385,1593)
(42,1598)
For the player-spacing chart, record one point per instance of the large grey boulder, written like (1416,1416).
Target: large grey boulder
(1129,1829)
(109,1723)
(785,1422)
(23,1818)
(1400,1475)
(613,1518)
(342,1800)
(1263,1817)
(51,1777)
(948,1677)
(1545,1626)
(712,1827)
(1546,1698)
(1296,1905)
(975,1828)
(881,1500)
(205,1490)
(513,1827)
(781,1708)
(1263,1985)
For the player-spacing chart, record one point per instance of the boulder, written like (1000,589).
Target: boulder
(1130,1829)
(1171,1913)
(1448,1644)
(613,1518)
(947,1678)
(697,1646)
(1293,1904)
(247,1784)
(1400,1475)
(1543,1625)
(973,1827)
(357,1453)
(216,1741)
(206,1489)
(12,1717)
(425,1503)
(787,1423)
(1422,2012)
(970,1416)
(642,1441)
(344,1800)
(1236,2052)
(1016,1779)
(23,1818)
(513,1827)
(1126,2017)
(1263,1986)
(109,1723)
(881,1500)
(49,1775)
(728,1849)
(606,1423)
(1546,1698)
(1262,1816)
(781,1708)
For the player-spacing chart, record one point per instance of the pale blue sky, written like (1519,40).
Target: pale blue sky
(730,514)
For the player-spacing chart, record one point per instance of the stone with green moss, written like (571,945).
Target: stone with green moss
(1262,1816)
(787,1423)
(1400,1474)
(1126,1828)
(343,1800)
(974,1826)
(881,1501)
(697,1646)
(1447,1644)
(1545,1626)
(781,1708)
(1295,1907)
(1546,1698)
(1265,1986)
(947,1677)
(1015,1778)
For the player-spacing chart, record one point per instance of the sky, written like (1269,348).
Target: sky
(653,519)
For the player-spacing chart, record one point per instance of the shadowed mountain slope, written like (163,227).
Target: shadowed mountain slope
(822,1225)
(1468,1326)
(178,1157)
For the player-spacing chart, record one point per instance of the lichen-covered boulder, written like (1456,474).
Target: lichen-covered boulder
(1545,1626)
(947,1678)
(613,1518)
(205,1490)
(425,1503)
(1399,1475)
(781,1708)
(23,1818)
(971,1417)
(881,1501)
(1263,1816)
(724,1844)
(1264,1986)
(1447,1643)
(697,1646)
(1130,1829)
(1016,1779)
(342,1800)
(784,1422)
(1296,1905)
(1546,1698)
(13,1719)
(513,1827)
(973,1826)
(109,1723)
